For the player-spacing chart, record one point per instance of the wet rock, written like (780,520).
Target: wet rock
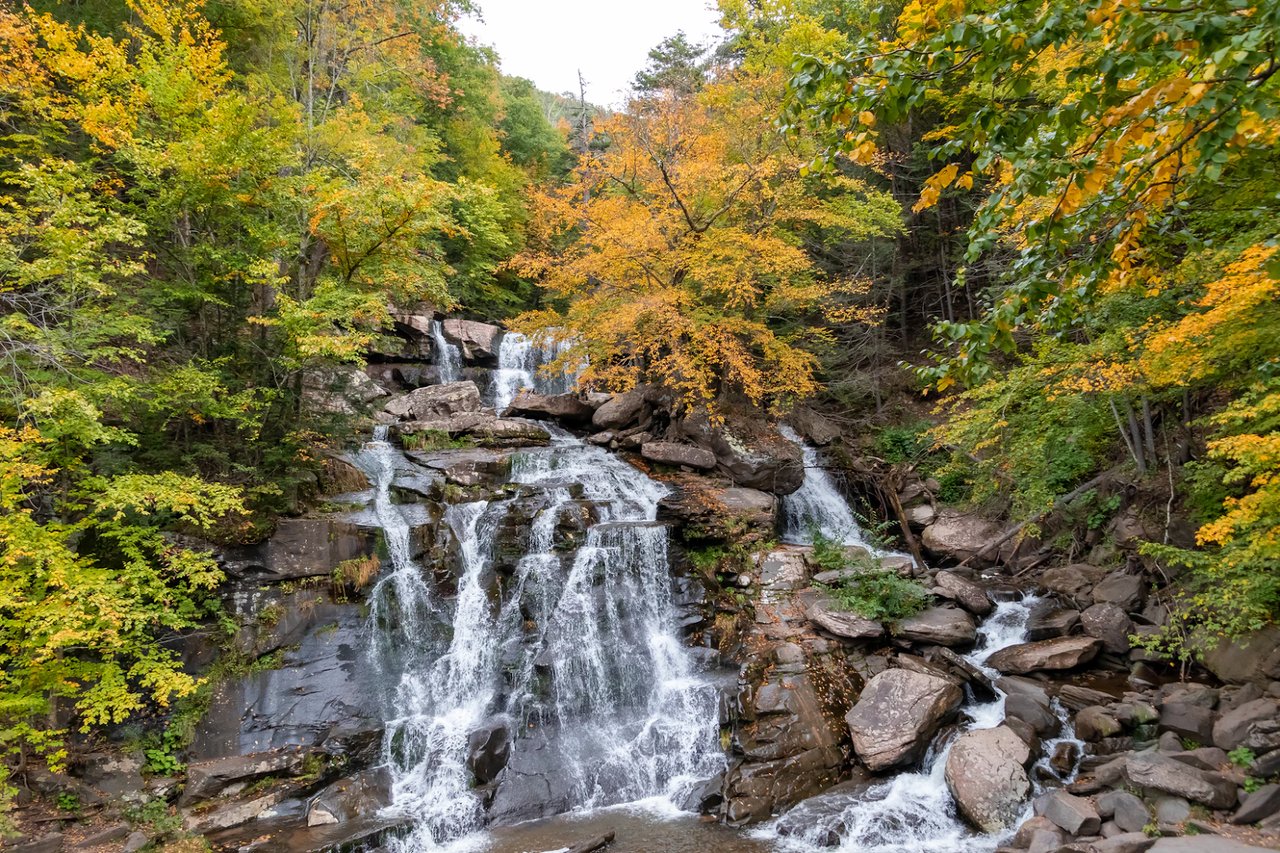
(1129,812)
(567,408)
(1110,624)
(1065,757)
(351,799)
(1076,815)
(1124,591)
(466,467)
(1033,712)
(488,750)
(1062,653)
(827,614)
(621,411)
(300,548)
(898,714)
(1094,723)
(959,536)
(1161,773)
(1047,622)
(436,402)
(986,775)
(1248,725)
(964,592)
(767,461)
(340,390)
(206,779)
(502,432)
(943,626)
(817,429)
(671,453)
(479,342)
(1194,722)
(705,511)
(230,815)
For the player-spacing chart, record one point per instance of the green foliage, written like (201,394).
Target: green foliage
(880,595)
(909,443)
(1252,784)
(434,439)
(1241,756)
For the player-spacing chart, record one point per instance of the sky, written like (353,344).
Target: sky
(548,41)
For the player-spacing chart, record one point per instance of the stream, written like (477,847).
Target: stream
(572,668)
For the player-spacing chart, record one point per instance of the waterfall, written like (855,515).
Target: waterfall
(576,654)
(817,505)
(519,360)
(448,356)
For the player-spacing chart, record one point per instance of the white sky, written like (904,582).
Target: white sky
(547,41)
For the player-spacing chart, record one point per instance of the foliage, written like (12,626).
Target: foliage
(676,67)
(909,443)
(880,595)
(1241,756)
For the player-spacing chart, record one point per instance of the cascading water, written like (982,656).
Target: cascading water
(817,505)
(578,657)
(519,363)
(448,357)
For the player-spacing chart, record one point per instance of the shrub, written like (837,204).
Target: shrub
(880,595)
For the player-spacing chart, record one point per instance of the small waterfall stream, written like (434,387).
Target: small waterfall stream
(519,363)
(447,355)
(817,505)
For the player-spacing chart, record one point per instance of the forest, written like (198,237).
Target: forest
(1026,251)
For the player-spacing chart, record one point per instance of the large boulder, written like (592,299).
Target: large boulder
(817,429)
(436,402)
(1076,815)
(1110,624)
(352,798)
(206,779)
(964,592)
(488,749)
(341,390)
(300,548)
(506,432)
(1254,658)
(684,455)
(567,408)
(823,611)
(959,536)
(705,511)
(1252,725)
(941,626)
(986,774)
(1057,654)
(898,714)
(1161,773)
(621,411)
(479,342)
(1124,591)
(749,450)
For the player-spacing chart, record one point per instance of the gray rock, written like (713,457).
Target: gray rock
(352,798)
(569,408)
(986,774)
(1046,623)
(340,390)
(671,453)
(1194,722)
(1255,658)
(1095,723)
(1124,591)
(1034,713)
(1236,726)
(206,779)
(942,626)
(1171,811)
(1073,582)
(964,592)
(1076,815)
(1129,812)
(823,611)
(435,402)
(621,411)
(817,428)
(1061,653)
(1204,844)
(300,548)
(106,836)
(1110,624)
(1129,842)
(766,461)
(921,516)
(503,432)
(479,342)
(135,842)
(1161,773)
(959,536)
(1258,806)
(1203,758)
(488,749)
(51,843)
(898,714)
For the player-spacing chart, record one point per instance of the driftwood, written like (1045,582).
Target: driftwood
(598,843)
(893,482)
(995,544)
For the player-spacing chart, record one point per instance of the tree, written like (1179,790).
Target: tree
(676,68)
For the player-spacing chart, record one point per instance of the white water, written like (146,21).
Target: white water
(579,656)
(519,367)
(448,358)
(817,505)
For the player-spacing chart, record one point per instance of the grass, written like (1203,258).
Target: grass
(434,439)
(880,595)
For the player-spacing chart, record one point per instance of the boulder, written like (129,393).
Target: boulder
(964,592)
(1110,624)
(986,774)
(941,626)
(1094,723)
(703,510)
(340,390)
(352,798)
(1191,722)
(300,548)
(488,749)
(898,714)
(435,402)
(1245,725)
(1047,621)
(768,461)
(686,455)
(503,432)
(1255,658)
(1035,713)
(1061,653)
(1076,815)
(921,516)
(1074,582)
(1124,591)
(1259,805)
(1129,812)
(567,408)
(959,536)
(817,429)
(824,612)
(1161,773)
(621,411)
(479,342)
(1127,842)
(1204,844)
